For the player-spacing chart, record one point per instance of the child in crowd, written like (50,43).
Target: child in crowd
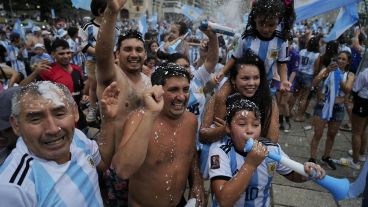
(244,179)
(269,27)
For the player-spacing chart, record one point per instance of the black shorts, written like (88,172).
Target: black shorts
(360,107)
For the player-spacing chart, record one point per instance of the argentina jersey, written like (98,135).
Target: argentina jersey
(197,98)
(307,61)
(27,180)
(75,48)
(88,34)
(272,50)
(225,163)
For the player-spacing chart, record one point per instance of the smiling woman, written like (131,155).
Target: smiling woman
(249,79)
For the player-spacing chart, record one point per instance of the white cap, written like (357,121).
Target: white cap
(36,29)
(45,32)
(39,45)
(61,33)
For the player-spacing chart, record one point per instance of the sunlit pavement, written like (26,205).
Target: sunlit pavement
(296,144)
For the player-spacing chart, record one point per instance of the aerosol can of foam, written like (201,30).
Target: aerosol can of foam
(217,28)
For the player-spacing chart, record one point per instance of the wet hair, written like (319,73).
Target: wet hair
(313,45)
(98,7)
(262,97)
(59,43)
(332,49)
(72,31)
(166,71)
(236,102)
(40,88)
(183,28)
(269,9)
(350,59)
(130,34)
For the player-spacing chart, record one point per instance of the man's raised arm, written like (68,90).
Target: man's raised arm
(105,43)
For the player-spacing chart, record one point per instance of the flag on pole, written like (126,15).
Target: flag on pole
(306,9)
(143,27)
(82,4)
(347,17)
(18,28)
(193,13)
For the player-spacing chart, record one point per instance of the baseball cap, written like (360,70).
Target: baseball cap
(5,109)
(36,29)
(45,32)
(61,33)
(39,45)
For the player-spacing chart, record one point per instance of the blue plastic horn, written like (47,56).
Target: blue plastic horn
(337,187)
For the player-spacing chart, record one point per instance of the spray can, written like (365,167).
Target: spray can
(217,28)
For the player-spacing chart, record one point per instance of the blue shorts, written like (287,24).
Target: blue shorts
(303,80)
(338,111)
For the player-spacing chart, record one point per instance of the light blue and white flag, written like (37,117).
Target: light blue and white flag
(331,88)
(143,27)
(193,13)
(153,19)
(347,17)
(18,28)
(82,4)
(306,9)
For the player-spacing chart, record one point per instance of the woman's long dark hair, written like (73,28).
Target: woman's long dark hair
(262,97)
(332,49)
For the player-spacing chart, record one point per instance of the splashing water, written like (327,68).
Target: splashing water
(220,12)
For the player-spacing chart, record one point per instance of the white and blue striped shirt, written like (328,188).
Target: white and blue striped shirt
(27,180)
(88,34)
(258,191)
(271,50)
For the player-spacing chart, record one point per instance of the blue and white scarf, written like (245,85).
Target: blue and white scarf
(331,88)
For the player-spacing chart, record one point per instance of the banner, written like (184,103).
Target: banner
(18,28)
(347,17)
(143,27)
(193,13)
(306,9)
(82,4)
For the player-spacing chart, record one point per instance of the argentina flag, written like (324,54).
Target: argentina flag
(193,13)
(331,88)
(82,4)
(306,9)
(347,17)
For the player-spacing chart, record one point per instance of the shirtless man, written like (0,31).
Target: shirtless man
(130,54)
(157,152)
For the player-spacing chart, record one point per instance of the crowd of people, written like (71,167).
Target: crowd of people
(172,107)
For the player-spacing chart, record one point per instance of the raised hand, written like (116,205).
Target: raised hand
(153,100)
(41,66)
(115,5)
(109,102)
(219,76)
